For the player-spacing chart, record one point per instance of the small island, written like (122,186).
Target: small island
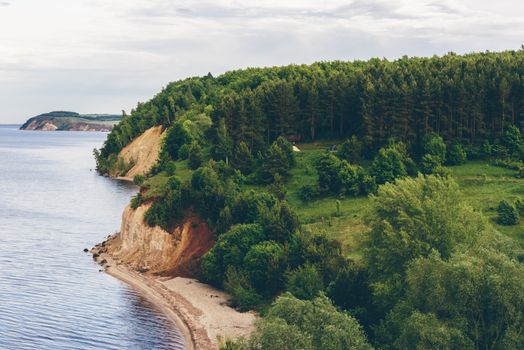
(71,121)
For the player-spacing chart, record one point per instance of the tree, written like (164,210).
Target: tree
(278,160)
(243,159)
(336,331)
(456,155)
(512,141)
(410,219)
(305,282)
(223,147)
(388,166)
(176,136)
(507,214)
(264,263)
(196,157)
(473,300)
(297,324)
(350,150)
(434,145)
(230,250)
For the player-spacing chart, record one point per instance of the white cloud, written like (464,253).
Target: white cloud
(105,55)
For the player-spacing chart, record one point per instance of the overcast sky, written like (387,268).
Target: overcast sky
(102,56)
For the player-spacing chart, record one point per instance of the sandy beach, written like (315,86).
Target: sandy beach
(200,312)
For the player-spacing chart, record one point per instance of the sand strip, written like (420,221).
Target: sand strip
(200,312)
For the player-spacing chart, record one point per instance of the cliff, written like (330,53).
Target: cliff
(142,152)
(157,251)
(71,121)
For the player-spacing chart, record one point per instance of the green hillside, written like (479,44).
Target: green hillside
(354,204)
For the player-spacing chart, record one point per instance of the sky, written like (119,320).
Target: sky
(104,56)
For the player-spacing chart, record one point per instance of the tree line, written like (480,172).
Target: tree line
(461,97)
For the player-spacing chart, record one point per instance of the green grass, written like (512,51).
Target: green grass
(484,186)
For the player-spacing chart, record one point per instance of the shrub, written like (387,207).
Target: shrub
(230,250)
(264,263)
(176,136)
(308,192)
(507,214)
(244,296)
(139,179)
(183,152)
(195,155)
(317,324)
(278,188)
(434,145)
(137,201)
(243,159)
(170,168)
(430,164)
(350,150)
(456,155)
(304,282)
(388,166)
(512,141)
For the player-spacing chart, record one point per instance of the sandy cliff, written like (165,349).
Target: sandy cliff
(142,152)
(157,251)
(166,260)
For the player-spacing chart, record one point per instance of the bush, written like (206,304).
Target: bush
(350,150)
(195,156)
(456,155)
(388,166)
(264,264)
(244,296)
(176,136)
(430,164)
(279,159)
(137,201)
(317,324)
(139,179)
(278,188)
(434,145)
(230,250)
(183,152)
(308,192)
(305,282)
(507,214)
(170,168)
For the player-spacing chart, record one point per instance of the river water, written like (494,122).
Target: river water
(52,206)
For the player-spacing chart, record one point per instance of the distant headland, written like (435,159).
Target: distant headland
(71,121)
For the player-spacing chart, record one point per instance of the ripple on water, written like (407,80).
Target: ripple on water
(52,295)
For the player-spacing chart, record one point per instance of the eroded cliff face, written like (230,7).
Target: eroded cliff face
(157,251)
(142,152)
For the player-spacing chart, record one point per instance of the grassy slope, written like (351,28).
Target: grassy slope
(483,184)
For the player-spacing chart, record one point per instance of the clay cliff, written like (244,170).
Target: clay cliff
(157,251)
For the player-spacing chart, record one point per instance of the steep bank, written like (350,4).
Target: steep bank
(157,251)
(142,152)
(153,260)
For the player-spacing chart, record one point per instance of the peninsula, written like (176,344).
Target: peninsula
(71,121)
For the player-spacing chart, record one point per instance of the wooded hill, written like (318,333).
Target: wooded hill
(469,97)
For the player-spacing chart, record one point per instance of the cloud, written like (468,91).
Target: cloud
(107,55)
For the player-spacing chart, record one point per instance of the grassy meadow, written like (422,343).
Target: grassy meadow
(483,184)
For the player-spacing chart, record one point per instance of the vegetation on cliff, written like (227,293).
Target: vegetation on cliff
(386,224)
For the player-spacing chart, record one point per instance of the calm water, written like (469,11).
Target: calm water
(52,206)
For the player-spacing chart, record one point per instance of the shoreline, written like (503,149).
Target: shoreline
(200,312)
